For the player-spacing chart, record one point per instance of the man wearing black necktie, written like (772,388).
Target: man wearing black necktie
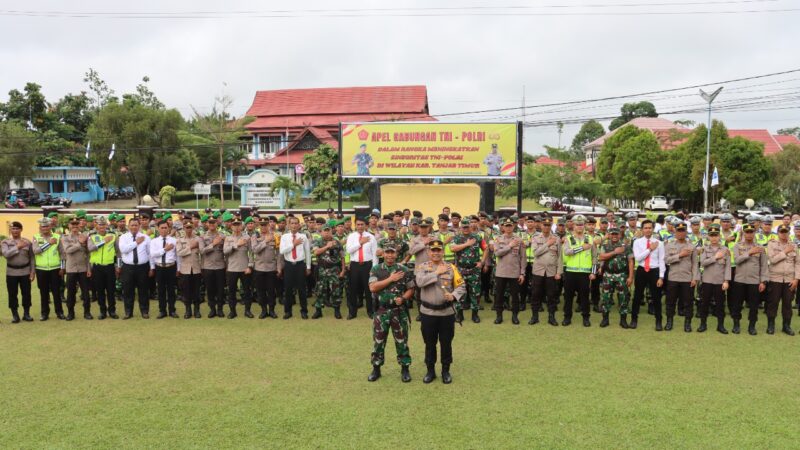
(134,247)
(163,263)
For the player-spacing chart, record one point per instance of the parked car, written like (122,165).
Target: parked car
(581,205)
(657,203)
(546,200)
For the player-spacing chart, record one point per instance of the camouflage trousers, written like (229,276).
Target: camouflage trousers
(328,288)
(472,281)
(396,319)
(615,282)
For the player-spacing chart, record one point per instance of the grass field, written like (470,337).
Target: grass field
(249,383)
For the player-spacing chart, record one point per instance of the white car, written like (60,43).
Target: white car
(657,202)
(546,200)
(582,205)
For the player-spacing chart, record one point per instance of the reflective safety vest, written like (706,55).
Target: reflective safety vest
(449,256)
(106,253)
(314,237)
(578,262)
(49,259)
(664,235)
(730,244)
(526,239)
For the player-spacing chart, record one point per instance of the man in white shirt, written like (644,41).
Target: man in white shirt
(135,251)
(649,255)
(163,263)
(361,246)
(296,253)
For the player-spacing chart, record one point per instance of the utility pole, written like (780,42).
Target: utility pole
(706,178)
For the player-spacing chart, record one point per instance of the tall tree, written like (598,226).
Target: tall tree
(795,131)
(101,93)
(321,171)
(637,167)
(147,145)
(17,146)
(222,136)
(786,173)
(630,111)
(589,131)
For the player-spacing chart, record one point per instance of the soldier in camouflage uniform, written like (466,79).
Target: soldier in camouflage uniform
(392,240)
(617,260)
(467,248)
(394,284)
(330,271)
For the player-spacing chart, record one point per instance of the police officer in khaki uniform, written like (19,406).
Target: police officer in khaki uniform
(440,285)
(20,271)
(190,269)
(75,249)
(681,257)
(213,268)
(546,271)
(239,264)
(783,274)
(103,259)
(510,271)
(716,262)
(268,266)
(750,279)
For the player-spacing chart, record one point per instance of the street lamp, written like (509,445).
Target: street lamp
(710,99)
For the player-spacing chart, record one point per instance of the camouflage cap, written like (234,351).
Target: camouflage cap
(391,226)
(465,222)
(415,221)
(614,229)
(603,220)
(389,248)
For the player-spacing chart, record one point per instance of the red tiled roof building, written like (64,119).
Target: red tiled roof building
(290,123)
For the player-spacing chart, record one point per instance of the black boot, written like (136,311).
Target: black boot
(188,314)
(703,327)
(232,313)
(247,311)
(220,312)
(15,313)
(375,374)
(213,312)
(770,325)
(317,313)
(446,377)
(721,325)
(687,324)
(634,323)
(26,315)
(787,327)
(336,313)
(586,322)
(668,326)
(751,328)
(499,319)
(623,321)
(197,314)
(658,324)
(534,317)
(70,313)
(264,313)
(604,322)
(475,317)
(551,319)
(430,375)
(736,329)
(514,319)
(272,314)
(405,375)
(460,315)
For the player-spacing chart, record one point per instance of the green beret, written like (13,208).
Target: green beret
(281,219)
(216,214)
(166,215)
(89,218)
(80,214)
(248,220)
(204,218)
(227,217)
(52,214)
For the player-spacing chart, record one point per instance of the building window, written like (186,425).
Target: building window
(271,144)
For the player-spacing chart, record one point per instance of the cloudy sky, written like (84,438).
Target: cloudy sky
(473,55)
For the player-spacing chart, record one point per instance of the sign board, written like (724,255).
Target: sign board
(261,197)
(299,168)
(429,150)
(201,189)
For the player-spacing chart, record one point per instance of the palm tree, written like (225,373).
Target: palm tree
(286,184)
